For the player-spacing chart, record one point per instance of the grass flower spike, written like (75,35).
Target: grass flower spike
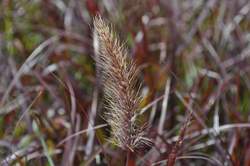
(119,75)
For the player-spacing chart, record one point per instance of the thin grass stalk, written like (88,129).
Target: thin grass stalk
(130,160)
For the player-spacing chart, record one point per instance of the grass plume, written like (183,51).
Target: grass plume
(119,75)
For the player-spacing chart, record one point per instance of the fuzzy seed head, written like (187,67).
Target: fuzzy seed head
(119,75)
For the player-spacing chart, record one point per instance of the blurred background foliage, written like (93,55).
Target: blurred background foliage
(49,88)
